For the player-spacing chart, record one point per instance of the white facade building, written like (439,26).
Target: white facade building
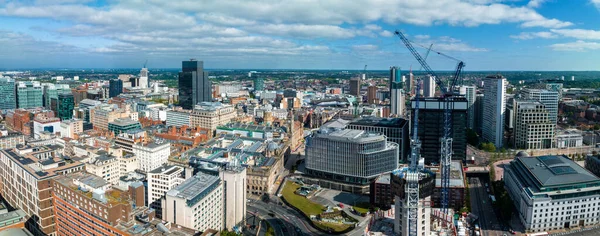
(552,193)
(429,87)
(40,125)
(143,82)
(532,128)
(494,105)
(209,115)
(106,167)
(196,204)
(469,92)
(546,97)
(161,180)
(234,195)
(178,118)
(152,155)
(569,138)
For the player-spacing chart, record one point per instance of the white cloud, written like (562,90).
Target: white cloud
(533,35)
(596,3)
(446,44)
(386,33)
(365,47)
(578,33)
(546,23)
(579,46)
(535,3)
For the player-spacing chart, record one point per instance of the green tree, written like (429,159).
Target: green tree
(488,147)
(472,137)
(596,127)
(229,233)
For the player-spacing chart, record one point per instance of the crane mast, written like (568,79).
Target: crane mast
(447,94)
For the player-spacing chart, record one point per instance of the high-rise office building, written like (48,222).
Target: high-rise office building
(234,194)
(396,92)
(413,85)
(557,87)
(532,127)
(428,87)
(469,93)
(395,129)
(259,84)
(197,203)
(372,94)
(143,82)
(29,94)
(431,128)
(194,86)
(355,87)
(52,91)
(350,158)
(115,87)
(152,155)
(546,97)
(478,112)
(8,99)
(63,106)
(494,105)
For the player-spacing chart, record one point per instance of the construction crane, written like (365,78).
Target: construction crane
(412,176)
(145,63)
(447,93)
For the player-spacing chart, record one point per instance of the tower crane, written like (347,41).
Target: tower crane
(447,95)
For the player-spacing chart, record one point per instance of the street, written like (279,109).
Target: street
(482,207)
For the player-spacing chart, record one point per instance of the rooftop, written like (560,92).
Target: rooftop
(380,122)
(167,169)
(194,187)
(349,135)
(111,195)
(555,170)
(30,163)
(124,122)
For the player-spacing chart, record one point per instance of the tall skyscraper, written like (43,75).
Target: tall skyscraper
(546,97)
(29,94)
(144,82)
(115,87)
(429,87)
(355,87)
(8,99)
(469,92)
(431,128)
(194,86)
(478,112)
(532,127)
(396,92)
(259,84)
(372,94)
(494,105)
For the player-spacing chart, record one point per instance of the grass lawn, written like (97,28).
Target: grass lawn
(333,226)
(306,206)
(270,230)
(362,207)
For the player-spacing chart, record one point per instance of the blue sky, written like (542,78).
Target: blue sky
(492,35)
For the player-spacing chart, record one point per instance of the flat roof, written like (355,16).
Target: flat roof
(380,122)
(123,122)
(167,169)
(556,170)
(194,186)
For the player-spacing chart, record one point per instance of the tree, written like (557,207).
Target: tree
(472,137)
(228,233)
(488,147)
(596,127)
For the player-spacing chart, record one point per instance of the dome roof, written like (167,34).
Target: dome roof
(522,154)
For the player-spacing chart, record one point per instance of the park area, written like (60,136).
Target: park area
(314,211)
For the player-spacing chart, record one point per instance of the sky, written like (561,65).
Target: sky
(489,35)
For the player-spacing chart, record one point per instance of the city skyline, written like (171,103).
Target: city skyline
(486,34)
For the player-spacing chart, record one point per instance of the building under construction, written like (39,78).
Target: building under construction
(399,183)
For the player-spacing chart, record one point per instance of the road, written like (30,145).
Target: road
(287,221)
(482,207)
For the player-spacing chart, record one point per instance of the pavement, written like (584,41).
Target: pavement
(482,207)
(499,169)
